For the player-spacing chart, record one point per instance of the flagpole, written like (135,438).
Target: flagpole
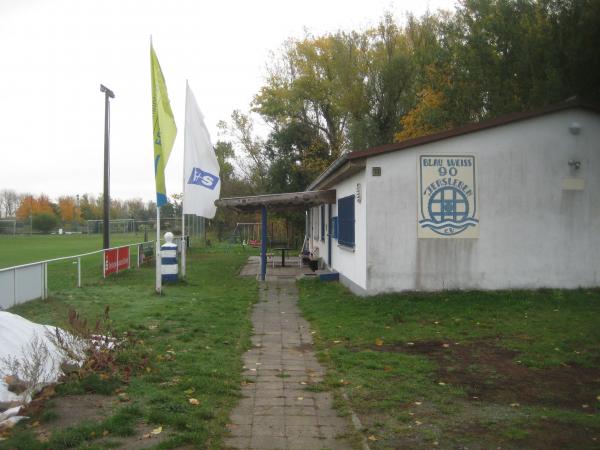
(183,243)
(183,240)
(158,275)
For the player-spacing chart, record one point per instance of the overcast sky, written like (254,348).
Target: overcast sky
(55,54)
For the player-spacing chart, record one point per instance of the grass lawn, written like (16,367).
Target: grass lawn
(186,344)
(476,370)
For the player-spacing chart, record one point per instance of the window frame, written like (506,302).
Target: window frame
(346,222)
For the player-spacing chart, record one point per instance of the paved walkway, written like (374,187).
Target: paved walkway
(276,411)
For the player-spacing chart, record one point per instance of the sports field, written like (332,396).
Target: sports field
(15,250)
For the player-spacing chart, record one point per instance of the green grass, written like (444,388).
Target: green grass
(202,325)
(387,354)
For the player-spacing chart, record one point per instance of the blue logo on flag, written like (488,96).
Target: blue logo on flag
(202,178)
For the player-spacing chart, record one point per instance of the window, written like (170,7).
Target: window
(322,222)
(333,227)
(315,224)
(346,221)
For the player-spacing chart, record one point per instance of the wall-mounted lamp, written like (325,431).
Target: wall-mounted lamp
(575,165)
(575,128)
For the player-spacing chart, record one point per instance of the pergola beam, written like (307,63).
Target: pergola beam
(290,200)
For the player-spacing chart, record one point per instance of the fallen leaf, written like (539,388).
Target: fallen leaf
(194,401)
(378,342)
(585,406)
(410,343)
(515,405)
(418,403)
(418,422)
(598,397)
(336,342)
(105,433)
(147,436)
(387,368)
(157,430)
(441,383)
(300,398)
(373,438)
(445,345)
(35,424)
(189,391)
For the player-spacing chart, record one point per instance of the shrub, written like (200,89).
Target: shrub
(44,222)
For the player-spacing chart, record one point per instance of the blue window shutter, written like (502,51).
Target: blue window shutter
(346,221)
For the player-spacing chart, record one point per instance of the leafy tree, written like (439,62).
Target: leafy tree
(31,205)
(388,78)
(69,212)
(297,154)
(317,82)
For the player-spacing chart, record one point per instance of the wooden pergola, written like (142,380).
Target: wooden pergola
(275,202)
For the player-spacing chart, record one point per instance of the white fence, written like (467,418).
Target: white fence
(20,284)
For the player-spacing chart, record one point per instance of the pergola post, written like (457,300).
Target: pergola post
(263,244)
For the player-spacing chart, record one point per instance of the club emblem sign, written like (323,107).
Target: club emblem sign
(447,197)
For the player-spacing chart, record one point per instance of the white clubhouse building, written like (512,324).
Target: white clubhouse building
(513,202)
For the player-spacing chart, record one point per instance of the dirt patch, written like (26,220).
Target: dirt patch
(541,435)
(490,373)
(72,410)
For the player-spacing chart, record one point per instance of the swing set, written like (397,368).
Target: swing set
(248,233)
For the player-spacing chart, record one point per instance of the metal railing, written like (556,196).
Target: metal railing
(20,284)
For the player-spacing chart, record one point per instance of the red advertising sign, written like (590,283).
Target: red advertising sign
(116,260)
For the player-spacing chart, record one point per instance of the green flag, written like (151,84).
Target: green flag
(164,128)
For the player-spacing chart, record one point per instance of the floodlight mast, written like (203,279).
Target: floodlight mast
(106,194)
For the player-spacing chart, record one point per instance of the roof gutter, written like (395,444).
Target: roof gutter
(331,169)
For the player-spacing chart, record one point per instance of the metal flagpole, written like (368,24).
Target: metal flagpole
(158,276)
(183,243)
(183,240)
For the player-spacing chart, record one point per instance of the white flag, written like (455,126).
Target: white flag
(201,181)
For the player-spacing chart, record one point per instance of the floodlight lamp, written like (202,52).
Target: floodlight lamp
(108,92)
